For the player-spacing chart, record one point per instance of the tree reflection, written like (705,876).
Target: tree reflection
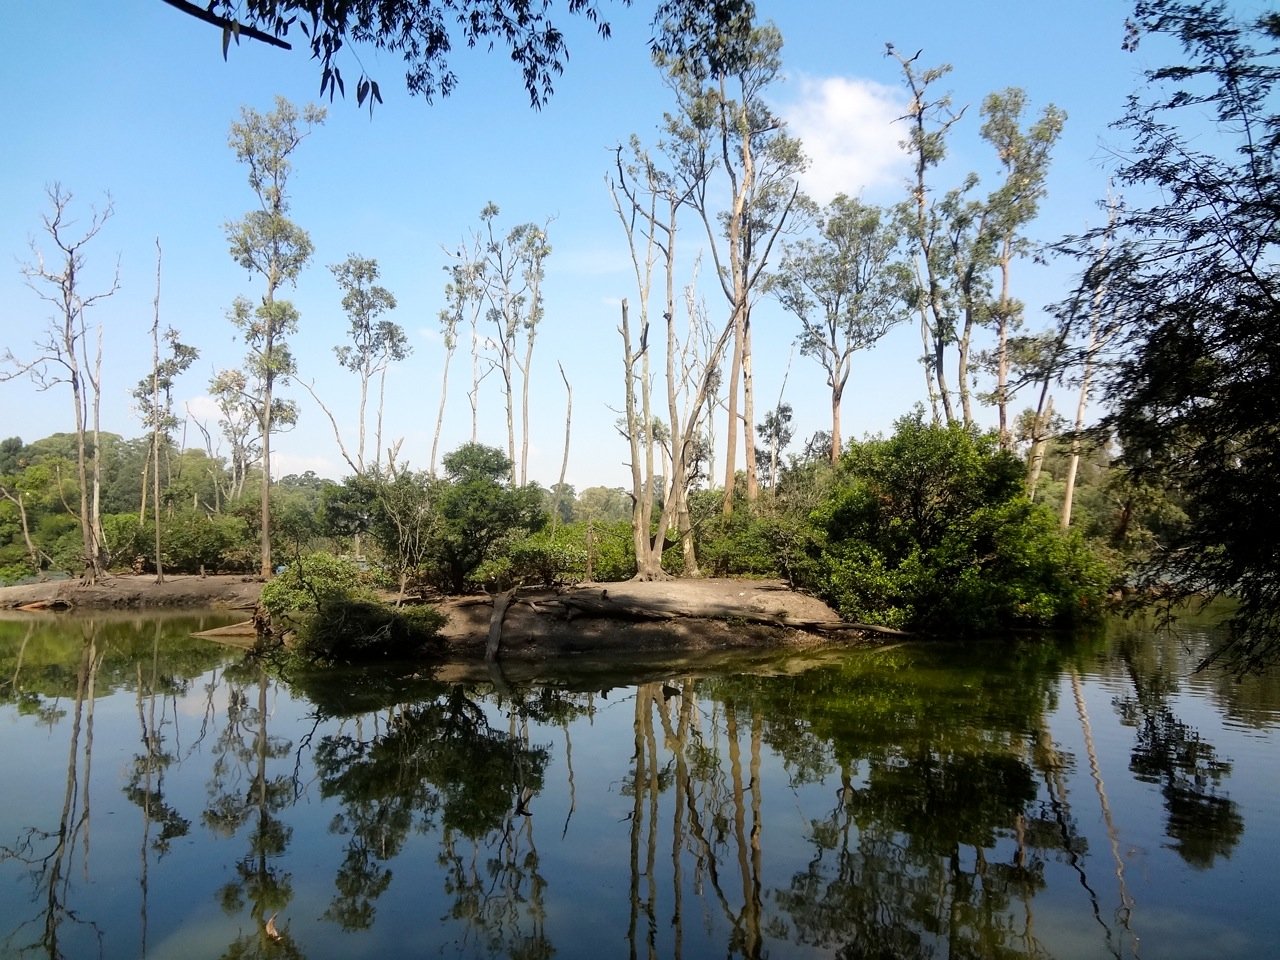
(1202,823)
(715,815)
(443,764)
(145,786)
(50,854)
(244,790)
(934,836)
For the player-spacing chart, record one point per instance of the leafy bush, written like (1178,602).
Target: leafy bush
(609,549)
(59,536)
(308,582)
(548,558)
(365,631)
(192,540)
(336,618)
(931,529)
(125,540)
(477,513)
(737,545)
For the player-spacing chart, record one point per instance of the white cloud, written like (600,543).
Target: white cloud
(205,409)
(849,131)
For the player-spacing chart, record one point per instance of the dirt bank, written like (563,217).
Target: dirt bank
(179,591)
(633,616)
(589,618)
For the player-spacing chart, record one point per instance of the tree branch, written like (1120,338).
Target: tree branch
(230,28)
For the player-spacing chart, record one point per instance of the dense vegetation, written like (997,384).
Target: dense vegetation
(930,528)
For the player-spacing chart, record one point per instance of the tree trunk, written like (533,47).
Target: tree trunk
(731,428)
(962,367)
(1002,351)
(1091,348)
(365,373)
(524,405)
(940,370)
(1039,441)
(748,413)
(837,395)
(156,419)
(639,516)
(926,344)
(264,487)
(444,393)
(501,601)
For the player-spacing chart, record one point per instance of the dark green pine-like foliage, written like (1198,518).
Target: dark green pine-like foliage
(1187,278)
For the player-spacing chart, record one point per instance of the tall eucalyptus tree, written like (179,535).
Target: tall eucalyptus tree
(847,289)
(373,345)
(270,245)
(727,141)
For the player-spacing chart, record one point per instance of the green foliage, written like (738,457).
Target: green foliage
(604,505)
(366,631)
(544,558)
(194,541)
(931,529)
(311,579)
(1187,280)
(478,514)
(737,545)
(610,548)
(297,520)
(123,533)
(59,536)
(338,619)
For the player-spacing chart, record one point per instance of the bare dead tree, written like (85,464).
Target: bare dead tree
(63,351)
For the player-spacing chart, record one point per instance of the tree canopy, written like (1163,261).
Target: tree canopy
(1187,281)
(425,32)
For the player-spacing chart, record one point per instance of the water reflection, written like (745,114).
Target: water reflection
(1202,823)
(918,802)
(245,791)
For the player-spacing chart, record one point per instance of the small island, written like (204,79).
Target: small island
(675,614)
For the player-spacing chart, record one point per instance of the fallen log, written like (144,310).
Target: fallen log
(53,603)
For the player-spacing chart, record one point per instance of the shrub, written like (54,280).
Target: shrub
(308,582)
(336,618)
(192,540)
(365,631)
(931,529)
(125,540)
(609,550)
(477,514)
(737,545)
(549,558)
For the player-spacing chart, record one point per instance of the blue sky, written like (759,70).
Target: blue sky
(133,99)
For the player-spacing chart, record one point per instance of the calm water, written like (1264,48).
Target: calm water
(163,797)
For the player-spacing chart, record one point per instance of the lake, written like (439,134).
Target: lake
(166,797)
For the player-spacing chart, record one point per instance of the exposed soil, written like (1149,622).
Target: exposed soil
(180,591)
(633,615)
(663,615)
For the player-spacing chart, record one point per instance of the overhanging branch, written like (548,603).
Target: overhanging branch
(229,26)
